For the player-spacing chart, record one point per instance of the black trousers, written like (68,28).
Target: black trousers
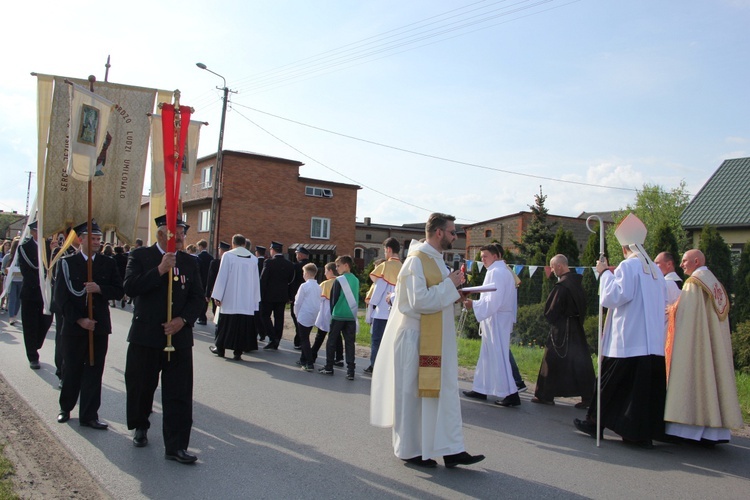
(274,329)
(80,378)
(296,325)
(303,333)
(202,316)
(58,346)
(348,330)
(142,367)
(319,338)
(35,327)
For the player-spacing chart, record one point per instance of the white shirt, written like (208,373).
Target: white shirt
(637,304)
(307,302)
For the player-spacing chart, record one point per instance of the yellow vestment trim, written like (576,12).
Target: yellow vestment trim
(430,335)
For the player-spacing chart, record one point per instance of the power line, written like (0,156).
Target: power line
(337,172)
(435,157)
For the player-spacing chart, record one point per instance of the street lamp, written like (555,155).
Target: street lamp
(213,229)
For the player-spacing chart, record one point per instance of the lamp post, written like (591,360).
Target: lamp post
(213,228)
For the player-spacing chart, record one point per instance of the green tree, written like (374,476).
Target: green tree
(718,256)
(538,237)
(590,283)
(740,311)
(564,243)
(655,206)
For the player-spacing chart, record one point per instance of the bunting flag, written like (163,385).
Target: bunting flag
(175,124)
(158,200)
(580,270)
(517,268)
(532,270)
(89,120)
(116,197)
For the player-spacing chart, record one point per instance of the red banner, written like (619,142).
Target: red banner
(174,133)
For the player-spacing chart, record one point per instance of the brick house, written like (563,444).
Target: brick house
(511,227)
(264,198)
(368,243)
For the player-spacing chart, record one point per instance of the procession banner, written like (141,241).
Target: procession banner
(158,196)
(89,124)
(117,192)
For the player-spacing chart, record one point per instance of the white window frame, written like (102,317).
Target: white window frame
(318,192)
(204,220)
(207,183)
(324,229)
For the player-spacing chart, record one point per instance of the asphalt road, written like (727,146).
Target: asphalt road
(265,429)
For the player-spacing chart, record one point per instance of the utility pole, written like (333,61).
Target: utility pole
(28,192)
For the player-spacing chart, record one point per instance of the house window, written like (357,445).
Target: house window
(357,253)
(320,228)
(204,220)
(368,237)
(318,192)
(488,233)
(207,177)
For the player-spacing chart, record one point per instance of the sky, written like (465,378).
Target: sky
(464,107)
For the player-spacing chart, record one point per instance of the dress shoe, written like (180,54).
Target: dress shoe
(34,365)
(271,346)
(181,456)
(419,462)
(140,439)
(586,426)
(216,350)
(522,388)
(462,458)
(475,395)
(543,401)
(512,400)
(63,417)
(94,424)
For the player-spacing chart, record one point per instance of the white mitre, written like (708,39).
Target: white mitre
(631,232)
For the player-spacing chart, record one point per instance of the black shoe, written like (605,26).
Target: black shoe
(522,388)
(199,322)
(216,350)
(512,400)
(181,456)
(368,370)
(298,348)
(94,424)
(271,346)
(237,357)
(462,458)
(349,376)
(307,368)
(140,439)
(340,364)
(325,371)
(586,426)
(419,462)
(537,400)
(63,417)
(475,395)
(34,365)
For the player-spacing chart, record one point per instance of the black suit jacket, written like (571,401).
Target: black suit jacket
(276,279)
(204,261)
(213,271)
(261,263)
(72,272)
(28,261)
(149,292)
(299,277)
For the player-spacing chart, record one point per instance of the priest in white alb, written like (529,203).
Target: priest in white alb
(702,402)
(237,293)
(415,380)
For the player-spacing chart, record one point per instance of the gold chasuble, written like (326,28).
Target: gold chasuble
(430,335)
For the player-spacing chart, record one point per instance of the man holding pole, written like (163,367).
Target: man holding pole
(147,280)
(72,292)
(633,373)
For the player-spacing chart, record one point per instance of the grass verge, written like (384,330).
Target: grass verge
(6,477)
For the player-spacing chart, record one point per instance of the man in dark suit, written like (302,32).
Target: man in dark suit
(303,257)
(147,280)
(71,294)
(275,280)
(35,323)
(213,271)
(260,253)
(204,263)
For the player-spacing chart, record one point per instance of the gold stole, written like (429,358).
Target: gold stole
(430,335)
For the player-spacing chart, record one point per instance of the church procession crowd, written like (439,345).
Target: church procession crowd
(666,370)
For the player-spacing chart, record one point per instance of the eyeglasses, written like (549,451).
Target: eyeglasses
(452,233)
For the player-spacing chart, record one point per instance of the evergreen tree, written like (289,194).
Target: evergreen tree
(740,310)
(718,256)
(538,237)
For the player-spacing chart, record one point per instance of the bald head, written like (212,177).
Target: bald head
(692,260)
(666,262)
(559,265)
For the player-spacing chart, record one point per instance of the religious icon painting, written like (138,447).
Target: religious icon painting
(89,125)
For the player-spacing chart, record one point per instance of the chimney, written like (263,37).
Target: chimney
(368,220)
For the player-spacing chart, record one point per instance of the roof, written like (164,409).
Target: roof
(723,200)
(257,156)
